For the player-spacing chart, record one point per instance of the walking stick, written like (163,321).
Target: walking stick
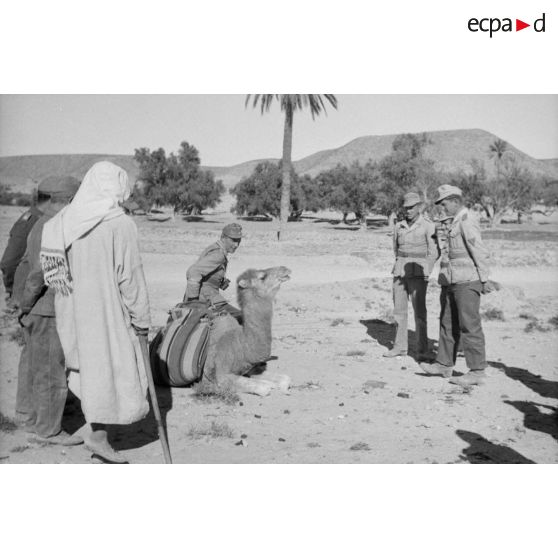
(153,395)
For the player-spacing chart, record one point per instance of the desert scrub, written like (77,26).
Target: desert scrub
(526,316)
(535,325)
(338,321)
(213,430)
(355,352)
(553,322)
(223,391)
(493,314)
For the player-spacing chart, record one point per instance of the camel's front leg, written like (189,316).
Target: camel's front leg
(281,381)
(256,387)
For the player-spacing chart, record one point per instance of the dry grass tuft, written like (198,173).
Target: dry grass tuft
(223,391)
(536,325)
(355,353)
(360,446)
(213,430)
(493,314)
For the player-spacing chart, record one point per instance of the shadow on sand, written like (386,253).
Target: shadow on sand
(384,333)
(480,450)
(535,419)
(123,437)
(544,388)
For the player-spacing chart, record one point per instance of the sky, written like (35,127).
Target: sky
(226,132)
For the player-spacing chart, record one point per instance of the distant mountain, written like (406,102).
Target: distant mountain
(451,150)
(24,172)
(552,162)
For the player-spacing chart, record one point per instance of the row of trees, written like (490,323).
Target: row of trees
(360,189)
(176,180)
(9,197)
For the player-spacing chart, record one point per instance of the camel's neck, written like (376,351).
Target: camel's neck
(257,314)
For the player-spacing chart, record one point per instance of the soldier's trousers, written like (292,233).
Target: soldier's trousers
(460,320)
(415,289)
(42,385)
(24,404)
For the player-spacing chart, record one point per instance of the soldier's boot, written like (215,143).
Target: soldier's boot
(61,439)
(437,369)
(394,353)
(472,378)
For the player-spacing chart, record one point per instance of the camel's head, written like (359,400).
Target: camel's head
(263,283)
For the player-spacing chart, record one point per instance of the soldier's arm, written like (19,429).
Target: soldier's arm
(475,246)
(34,283)
(206,265)
(15,249)
(432,251)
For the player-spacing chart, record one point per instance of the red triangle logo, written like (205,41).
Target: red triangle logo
(519,25)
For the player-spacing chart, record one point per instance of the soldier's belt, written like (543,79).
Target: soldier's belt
(401,254)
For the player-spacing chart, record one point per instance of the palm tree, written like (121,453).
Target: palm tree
(289,104)
(497,149)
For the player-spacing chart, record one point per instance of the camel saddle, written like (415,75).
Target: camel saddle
(178,351)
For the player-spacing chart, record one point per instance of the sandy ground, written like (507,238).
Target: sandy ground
(331,325)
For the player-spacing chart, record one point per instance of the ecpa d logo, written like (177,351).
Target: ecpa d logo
(493,25)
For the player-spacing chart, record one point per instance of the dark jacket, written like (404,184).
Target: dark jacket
(36,297)
(17,243)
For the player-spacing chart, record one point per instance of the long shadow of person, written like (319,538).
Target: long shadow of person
(545,388)
(535,419)
(480,450)
(384,333)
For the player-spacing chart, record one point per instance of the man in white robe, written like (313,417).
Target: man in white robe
(90,256)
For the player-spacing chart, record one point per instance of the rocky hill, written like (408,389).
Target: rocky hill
(451,150)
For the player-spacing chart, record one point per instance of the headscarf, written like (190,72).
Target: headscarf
(103,188)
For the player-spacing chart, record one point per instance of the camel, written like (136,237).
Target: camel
(235,351)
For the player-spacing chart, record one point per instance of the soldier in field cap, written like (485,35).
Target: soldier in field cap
(415,254)
(465,279)
(206,277)
(42,386)
(17,241)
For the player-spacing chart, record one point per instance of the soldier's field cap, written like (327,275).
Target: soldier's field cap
(66,186)
(447,190)
(233,230)
(410,199)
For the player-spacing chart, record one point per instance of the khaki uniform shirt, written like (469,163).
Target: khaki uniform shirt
(415,248)
(468,256)
(205,277)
